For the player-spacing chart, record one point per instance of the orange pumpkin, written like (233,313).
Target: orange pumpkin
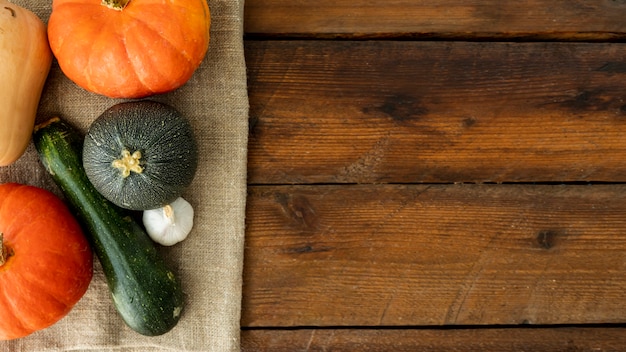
(129,48)
(46,262)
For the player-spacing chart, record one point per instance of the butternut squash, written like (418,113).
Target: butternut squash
(25,59)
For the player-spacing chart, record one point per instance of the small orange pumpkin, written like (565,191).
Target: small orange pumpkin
(46,262)
(129,48)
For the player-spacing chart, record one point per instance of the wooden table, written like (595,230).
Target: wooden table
(436,176)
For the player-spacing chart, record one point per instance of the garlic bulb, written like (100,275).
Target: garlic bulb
(170,224)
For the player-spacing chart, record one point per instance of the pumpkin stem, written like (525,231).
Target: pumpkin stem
(5,252)
(117,5)
(128,162)
(10,10)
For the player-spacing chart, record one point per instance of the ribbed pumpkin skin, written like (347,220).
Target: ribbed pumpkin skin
(51,263)
(164,138)
(149,47)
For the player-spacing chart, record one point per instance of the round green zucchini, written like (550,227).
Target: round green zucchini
(140,155)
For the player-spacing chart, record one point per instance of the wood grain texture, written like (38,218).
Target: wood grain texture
(463,19)
(428,340)
(396,255)
(373,247)
(414,112)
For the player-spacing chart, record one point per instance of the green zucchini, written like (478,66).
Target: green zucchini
(146,293)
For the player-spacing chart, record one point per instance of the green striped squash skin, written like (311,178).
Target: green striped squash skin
(167,158)
(146,293)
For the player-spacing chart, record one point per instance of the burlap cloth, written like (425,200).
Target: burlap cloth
(209,262)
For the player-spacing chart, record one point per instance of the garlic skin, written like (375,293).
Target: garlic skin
(170,224)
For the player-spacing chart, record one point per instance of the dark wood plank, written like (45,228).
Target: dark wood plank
(392,255)
(416,340)
(538,19)
(386,111)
